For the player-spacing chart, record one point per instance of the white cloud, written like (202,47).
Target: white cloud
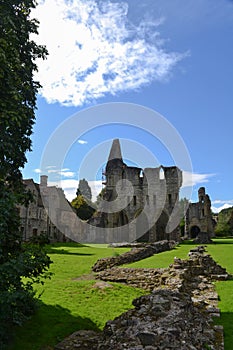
(82,142)
(65,169)
(51,171)
(67,173)
(63,172)
(218,209)
(96,187)
(37,171)
(224,204)
(192,179)
(95,50)
(51,166)
(220,201)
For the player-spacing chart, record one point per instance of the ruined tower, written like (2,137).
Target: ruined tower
(199,216)
(147,199)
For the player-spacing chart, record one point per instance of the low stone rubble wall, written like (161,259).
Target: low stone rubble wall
(145,278)
(177,314)
(178,274)
(135,254)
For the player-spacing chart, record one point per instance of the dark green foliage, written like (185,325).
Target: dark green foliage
(17,87)
(16,261)
(84,209)
(41,239)
(224,225)
(82,203)
(20,266)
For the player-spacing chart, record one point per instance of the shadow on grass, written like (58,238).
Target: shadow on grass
(226,320)
(65,245)
(50,325)
(186,242)
(65,252)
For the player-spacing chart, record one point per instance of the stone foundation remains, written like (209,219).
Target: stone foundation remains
(177,314)
(135,254)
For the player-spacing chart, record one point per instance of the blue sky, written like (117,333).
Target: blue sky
(172,56)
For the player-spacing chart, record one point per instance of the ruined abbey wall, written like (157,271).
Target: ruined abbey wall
(199,216)
(148,196)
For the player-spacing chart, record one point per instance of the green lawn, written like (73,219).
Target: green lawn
(70,302)
(222,252)
(163,259)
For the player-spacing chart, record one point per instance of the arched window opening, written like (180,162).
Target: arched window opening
(194,231)
(161,174)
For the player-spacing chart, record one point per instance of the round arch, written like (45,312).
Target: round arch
(194,231)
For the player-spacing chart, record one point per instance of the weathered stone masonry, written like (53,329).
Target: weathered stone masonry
(135,254)
(151,206)
(199,220)
(177,314)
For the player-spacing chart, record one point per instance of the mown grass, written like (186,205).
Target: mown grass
(70,302)
(222,252)
(163,259)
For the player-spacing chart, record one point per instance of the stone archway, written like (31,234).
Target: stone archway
(194,231)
